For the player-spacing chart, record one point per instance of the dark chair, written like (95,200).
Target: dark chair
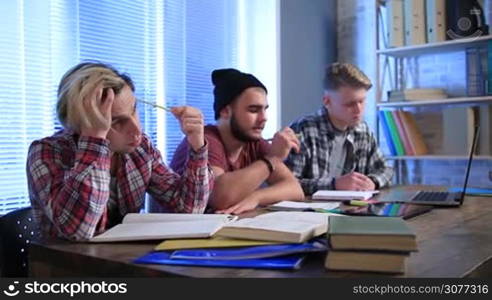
(18,229)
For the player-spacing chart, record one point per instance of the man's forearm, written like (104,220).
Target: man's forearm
(285,190)
(232,187)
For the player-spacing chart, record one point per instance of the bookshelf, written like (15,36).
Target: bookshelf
(438,157)
(391,64)
(442,47)
(462,101)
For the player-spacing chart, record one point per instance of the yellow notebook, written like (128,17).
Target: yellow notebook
(214,242)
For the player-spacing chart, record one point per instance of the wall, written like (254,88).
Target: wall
(307,45)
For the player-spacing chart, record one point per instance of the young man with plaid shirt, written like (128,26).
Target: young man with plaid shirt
(338,151)
(87,177)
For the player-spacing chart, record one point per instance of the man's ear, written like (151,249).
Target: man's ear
(226,112)
(326,99)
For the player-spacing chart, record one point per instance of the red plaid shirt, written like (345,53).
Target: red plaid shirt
(72,192)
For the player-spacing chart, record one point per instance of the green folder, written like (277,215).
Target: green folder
(394,133)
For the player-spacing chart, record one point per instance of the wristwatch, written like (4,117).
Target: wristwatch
(269,164)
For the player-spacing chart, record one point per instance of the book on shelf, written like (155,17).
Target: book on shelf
(370,233)
(159,226)
(435,13)
(414,22)
(282,226)
(430,124)
(387,133)
(395,29)
(475,79)
(395,137)
(417,142)
(340,195)
(416,94)
(385,262)
(402,133)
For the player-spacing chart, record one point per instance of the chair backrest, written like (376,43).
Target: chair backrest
(18,229)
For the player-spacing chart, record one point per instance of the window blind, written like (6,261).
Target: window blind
(169,47)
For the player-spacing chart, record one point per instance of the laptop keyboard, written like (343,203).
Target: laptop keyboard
(430,196)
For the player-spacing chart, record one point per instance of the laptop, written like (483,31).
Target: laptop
(434,197)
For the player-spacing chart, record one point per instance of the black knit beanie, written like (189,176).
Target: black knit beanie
(230,83)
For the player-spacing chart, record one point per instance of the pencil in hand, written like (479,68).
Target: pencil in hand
(154,105)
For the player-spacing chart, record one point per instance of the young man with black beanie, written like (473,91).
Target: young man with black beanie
(240,158)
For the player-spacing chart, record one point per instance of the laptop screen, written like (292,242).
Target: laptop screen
(470,158)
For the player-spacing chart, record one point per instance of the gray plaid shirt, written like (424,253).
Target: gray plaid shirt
(311,166)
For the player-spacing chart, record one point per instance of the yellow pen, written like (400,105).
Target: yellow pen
(356,202)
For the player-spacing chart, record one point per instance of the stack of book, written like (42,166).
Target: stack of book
(278,240)
(372,244)
(416,95)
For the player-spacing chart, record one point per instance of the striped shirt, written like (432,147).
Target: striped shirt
(74,195)
(312,165)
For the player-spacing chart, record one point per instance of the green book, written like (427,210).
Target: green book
(394,133)
(370,233)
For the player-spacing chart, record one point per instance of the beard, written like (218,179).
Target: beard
(239,133)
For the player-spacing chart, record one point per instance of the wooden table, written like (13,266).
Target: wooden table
(452,242)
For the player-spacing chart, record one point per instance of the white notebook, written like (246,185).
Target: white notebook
(343,195)
(137,227)
(297,205)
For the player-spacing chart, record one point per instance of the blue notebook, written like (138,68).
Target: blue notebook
(282,262)
(249,252)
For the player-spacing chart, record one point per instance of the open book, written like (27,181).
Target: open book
(136,227)
(284,226)
(343,195)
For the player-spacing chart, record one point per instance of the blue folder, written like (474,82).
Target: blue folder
(249,252)
(471,191)
(387,134)
(282,262)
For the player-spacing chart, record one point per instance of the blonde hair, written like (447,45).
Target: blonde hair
(78,83)
(345,74)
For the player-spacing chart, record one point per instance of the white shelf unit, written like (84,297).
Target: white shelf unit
(396,67)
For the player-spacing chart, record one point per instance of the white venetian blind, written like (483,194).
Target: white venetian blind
(125,33)
(32,37)
(168,47)
(199,36)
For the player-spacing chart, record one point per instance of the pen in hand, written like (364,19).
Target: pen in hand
(154,105)
(298,135)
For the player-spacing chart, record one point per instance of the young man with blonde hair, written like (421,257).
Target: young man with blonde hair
(338,151)
(240,158)
(85,178)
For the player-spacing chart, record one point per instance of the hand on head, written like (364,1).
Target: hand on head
(97,106)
